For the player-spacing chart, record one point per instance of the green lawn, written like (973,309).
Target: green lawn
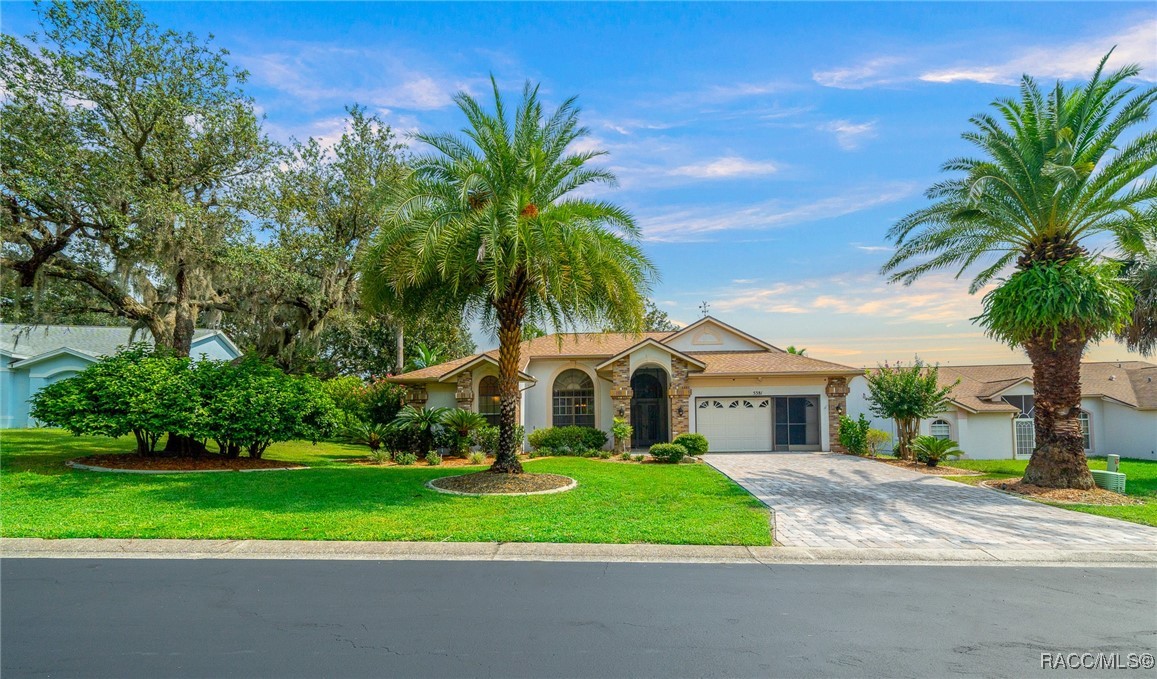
(333,500)
(1140,481)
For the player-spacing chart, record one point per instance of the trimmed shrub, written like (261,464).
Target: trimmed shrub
(379,456)
(696,444)
(579,441)
(433,459)
(853,434)
(668,452)
(931,450)
(876,440)
(251,404)
(477,458)
(625,456)
(405,459)
(622,431)
(486,438)
(140,391)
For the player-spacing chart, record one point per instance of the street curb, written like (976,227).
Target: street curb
(98,548)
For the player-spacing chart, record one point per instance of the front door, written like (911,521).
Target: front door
(649,407)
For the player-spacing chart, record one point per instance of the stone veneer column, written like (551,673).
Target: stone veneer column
(464,394)
(621,391)
(679,395)
(837,392)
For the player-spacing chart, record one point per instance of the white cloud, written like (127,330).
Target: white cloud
(873,248)
(850,135)
(728,166)
(871,73)
(697,224)
(1134,45)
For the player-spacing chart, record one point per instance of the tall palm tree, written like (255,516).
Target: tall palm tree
(1055,169)
(491,221)
(1140,333)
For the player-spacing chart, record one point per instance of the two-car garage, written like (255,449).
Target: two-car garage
(759,423)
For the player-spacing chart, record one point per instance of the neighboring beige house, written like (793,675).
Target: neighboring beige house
(709,377)
(992,409)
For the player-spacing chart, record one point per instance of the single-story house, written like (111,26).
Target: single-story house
(32,357)
(991,409)
(709,377)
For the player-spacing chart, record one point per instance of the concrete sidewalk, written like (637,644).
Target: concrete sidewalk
(84,548)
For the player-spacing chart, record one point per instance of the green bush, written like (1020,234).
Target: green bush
(460,423)
(853,434)
(433,459)
(876,440)
(486,438)
(622,431)
(376,402)
(668,452)
(638,458)
(140,391)
(251,404)
(603,454)
(696,444)
(379,456)
(578,441)
(366,434)
(405,459)
(625,456)
(425,424)
(477,458)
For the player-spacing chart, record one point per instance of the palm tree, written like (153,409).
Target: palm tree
(490,222)
(424,357)
(798,351)
(1140,333)
(1054,171)
(426,424)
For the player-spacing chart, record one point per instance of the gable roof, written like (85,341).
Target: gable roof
(49,355)
(1132,383)
(651,341)
(442,372)
(29,341)
(710,320)
(609,346)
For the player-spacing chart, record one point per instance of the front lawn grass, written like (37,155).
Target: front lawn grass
(335,500)
(1140,481)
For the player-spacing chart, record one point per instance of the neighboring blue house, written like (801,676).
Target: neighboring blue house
(33,357)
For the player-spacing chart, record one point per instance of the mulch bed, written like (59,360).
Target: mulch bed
(446,462)
(487,483)
(1093,496)
(187,464)
(925,469)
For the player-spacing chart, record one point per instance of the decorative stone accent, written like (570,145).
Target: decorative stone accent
(417,396)
(679,396)
(621,391)
(837,391)
(464,394)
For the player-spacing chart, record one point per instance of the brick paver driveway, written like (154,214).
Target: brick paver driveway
(833,500)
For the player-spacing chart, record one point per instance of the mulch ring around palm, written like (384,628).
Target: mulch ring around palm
(1071,496)
(489,483)
(203,463)
(925,469)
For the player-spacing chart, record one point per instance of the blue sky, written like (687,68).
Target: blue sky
(765,149)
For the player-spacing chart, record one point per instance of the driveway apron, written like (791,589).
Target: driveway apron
(835,500)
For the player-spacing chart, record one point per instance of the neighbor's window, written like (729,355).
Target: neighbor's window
(1083,417)
(941,430)
(574,399)
(489,405)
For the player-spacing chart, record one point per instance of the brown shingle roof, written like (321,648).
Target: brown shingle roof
(607,344)
(763,362)
(1133,383)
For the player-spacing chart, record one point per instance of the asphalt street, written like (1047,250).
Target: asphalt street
(253,618)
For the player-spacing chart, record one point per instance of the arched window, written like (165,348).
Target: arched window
(489,405)
(574,399)
(1086,434)
(940,429)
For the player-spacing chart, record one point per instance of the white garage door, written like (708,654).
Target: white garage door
(735,423)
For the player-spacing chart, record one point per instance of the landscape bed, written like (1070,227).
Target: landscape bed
(335,500)
(1141,484)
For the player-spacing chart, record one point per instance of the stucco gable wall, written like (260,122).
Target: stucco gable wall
(711,337)
(213,348)
(1128,432)
(537,403)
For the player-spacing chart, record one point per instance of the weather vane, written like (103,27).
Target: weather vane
(704,307)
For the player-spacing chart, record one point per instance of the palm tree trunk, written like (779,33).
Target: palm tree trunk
(510,310)
(1059,459)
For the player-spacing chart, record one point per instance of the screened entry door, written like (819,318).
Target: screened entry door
(797,423)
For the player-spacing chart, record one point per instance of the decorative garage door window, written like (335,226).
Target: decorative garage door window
(489,405)
(574,399)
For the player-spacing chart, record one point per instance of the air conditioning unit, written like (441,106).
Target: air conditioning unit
(1114,481)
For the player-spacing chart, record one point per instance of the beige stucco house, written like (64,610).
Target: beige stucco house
(992,408)
(709,377)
